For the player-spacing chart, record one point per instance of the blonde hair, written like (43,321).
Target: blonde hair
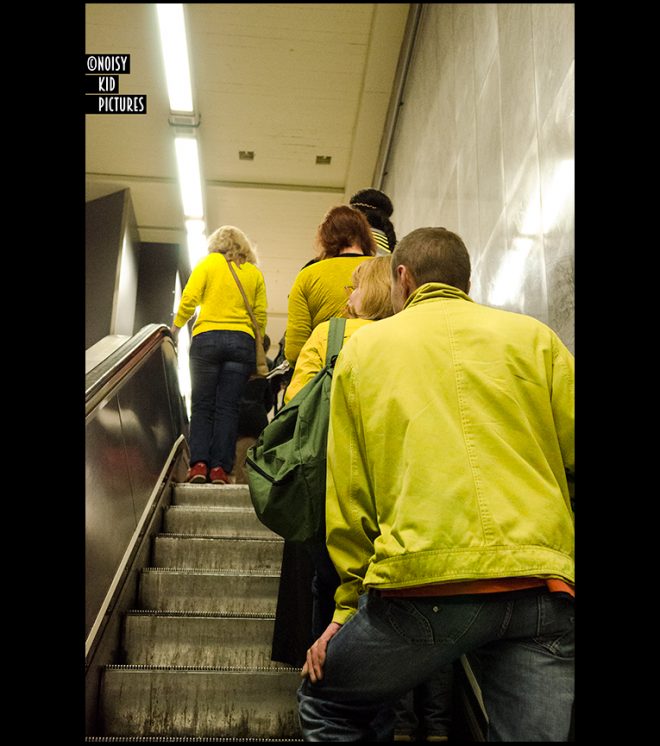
(233,243)
(374,277)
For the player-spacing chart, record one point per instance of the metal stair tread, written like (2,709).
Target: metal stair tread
(213,508)
(205,537)
(164,613)
(191,739)
(203,669)
(210,571)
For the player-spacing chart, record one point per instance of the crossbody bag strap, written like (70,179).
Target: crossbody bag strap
(335,339)
(247,302)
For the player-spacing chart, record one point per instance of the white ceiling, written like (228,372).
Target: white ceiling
(287,81)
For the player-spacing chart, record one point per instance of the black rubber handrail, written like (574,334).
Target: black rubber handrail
(120,362)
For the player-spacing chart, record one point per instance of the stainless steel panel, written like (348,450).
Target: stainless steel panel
(109,512)
(146,426)
(129,437)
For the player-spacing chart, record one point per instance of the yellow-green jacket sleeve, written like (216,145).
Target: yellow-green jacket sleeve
(351,523)
(310,361)
(563,407)
(299,322)
(192,295)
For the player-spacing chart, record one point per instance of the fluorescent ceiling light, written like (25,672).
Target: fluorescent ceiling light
(172,26)
(197,241)
(187,158)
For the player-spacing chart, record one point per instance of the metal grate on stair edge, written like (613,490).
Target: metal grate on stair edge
(205,614)
(273,540)
(187,739)
(195,669)
(212,509)
(209,571)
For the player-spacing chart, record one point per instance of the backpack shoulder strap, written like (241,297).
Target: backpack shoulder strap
(335,339)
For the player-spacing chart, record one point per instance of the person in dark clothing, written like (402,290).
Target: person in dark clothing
(256,403)
(377,208)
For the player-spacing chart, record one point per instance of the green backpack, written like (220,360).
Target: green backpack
(286,466)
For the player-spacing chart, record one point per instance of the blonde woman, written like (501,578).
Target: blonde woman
(369,300)
(222,351)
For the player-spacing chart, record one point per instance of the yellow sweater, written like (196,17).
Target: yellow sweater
(318,294)
(312,356)
(212,286)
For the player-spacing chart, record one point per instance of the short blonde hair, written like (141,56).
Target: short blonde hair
(233,243)
(374,277)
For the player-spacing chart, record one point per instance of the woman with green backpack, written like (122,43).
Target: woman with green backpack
(368,301)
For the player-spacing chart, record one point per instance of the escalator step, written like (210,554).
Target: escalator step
(199,702)
(214,521)
(208,591)
(212,495)
(189,640)
(217,553)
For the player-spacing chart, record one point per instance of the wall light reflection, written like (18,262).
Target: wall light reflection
(540,217)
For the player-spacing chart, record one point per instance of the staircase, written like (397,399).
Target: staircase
(197,649)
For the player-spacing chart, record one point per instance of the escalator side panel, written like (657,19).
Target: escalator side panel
(109,510)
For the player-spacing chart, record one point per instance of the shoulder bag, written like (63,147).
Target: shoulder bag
(262,363)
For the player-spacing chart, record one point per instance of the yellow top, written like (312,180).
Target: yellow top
(312,356)
(318,294)
(212,286)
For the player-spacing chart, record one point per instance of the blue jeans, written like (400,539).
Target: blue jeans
(426,710)
(525,646)
(220,364)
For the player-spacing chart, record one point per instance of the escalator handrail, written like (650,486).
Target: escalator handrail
(120,362)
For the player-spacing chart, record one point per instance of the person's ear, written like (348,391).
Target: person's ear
(408,283)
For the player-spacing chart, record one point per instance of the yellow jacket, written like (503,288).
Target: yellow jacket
(312,356)
(212,286)
(451,436)
(318,294)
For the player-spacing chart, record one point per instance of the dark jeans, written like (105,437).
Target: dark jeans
(524,642)
(220,364)
(426,710)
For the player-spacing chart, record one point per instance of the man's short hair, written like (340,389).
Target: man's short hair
(434,255)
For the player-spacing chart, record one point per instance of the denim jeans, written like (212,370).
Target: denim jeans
(525,645)
(220,364)
(426,710)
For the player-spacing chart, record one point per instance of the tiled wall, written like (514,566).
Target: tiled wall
(484,146)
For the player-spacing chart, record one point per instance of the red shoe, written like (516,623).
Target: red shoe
(197,473)
(218,475)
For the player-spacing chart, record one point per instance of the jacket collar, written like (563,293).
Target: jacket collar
(435,291)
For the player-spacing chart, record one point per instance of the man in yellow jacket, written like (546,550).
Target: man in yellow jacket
(449,508)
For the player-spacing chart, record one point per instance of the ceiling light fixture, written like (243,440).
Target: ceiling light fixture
(197,242)
(187,159)
(172,25)
(185,120)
